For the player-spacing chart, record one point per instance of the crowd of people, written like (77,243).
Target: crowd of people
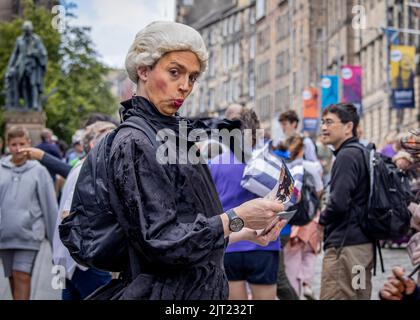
(194,231)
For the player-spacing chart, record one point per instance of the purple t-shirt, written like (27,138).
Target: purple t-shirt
(227,174)
(388,151)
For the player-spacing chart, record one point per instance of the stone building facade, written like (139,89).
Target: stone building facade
(264,53)
(229,33)
(10,9)
(368,46)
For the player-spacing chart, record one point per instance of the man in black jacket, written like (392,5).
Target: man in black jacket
(348,260)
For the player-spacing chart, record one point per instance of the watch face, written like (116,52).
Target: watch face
(236,225)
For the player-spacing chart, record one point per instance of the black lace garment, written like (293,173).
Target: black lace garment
(173,213)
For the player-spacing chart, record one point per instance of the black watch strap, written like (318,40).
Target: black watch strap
(235,222)
(231,214)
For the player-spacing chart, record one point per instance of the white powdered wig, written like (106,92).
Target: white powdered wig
(159,38)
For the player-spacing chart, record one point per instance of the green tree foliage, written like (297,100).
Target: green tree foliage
(75,80)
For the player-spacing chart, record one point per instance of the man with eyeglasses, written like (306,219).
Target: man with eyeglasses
(348,260)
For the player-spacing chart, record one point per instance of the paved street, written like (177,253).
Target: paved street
(42,289)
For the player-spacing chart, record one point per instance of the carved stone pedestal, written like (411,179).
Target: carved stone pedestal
(33,121)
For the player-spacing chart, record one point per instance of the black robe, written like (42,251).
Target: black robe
(173,212)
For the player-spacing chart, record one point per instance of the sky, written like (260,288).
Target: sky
(115,23)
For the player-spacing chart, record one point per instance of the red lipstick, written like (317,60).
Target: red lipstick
(178,103)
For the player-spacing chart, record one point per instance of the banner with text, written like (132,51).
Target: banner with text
(351,77)
(329,91)
(310,109)
(403,69)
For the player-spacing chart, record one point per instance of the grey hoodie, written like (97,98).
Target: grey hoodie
(28,205)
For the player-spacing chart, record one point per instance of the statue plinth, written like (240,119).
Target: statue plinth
(33,121)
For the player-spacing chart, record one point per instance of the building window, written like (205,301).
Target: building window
(252,84)
(202,101)
(263,74)
(231,24)
(224,57)
(252,47)
(211,65)
(261,7)
(212,36)
(381,61)
(238,23)
(237,53)
(252,16)
(282,27)
(230,86)
(190,105)
(230,55)
(226,91)
(225,27)
(212,102)
(282,102)
(236,89)
(282,64)
(221,94)
(265,107)
(296,89)
(320,34)
(263,39)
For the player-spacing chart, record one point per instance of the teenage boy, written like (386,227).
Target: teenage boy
(28,211)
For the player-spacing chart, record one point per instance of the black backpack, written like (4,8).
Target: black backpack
(307,208)
(92,232)
(387,216)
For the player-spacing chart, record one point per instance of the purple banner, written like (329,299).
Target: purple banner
(351,77)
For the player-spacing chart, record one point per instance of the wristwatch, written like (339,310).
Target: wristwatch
(235,223)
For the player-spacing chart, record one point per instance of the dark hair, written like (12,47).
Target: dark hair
(346,112)
(63,146)
(250,121)
(290,116)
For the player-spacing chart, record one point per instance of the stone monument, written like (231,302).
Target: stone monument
(24,83)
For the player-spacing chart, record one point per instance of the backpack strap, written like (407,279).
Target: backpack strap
(134,269)
(377,248)
(140,124)
(368,156)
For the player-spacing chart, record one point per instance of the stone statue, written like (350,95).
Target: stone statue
(25,71)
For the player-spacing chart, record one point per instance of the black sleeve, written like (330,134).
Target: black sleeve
(55,165)
(146,190)
(344,178)
(413,297)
